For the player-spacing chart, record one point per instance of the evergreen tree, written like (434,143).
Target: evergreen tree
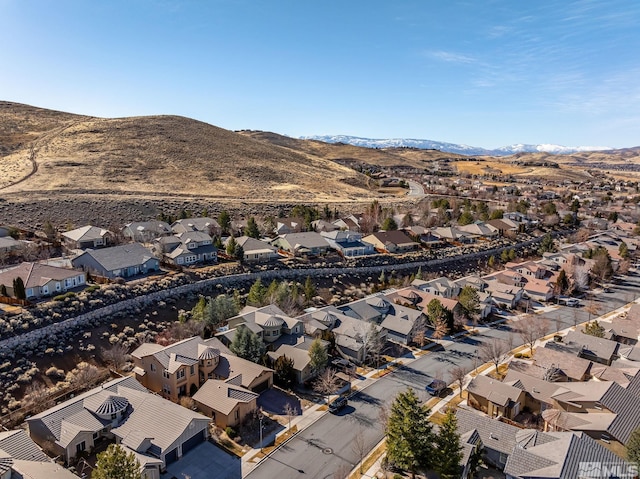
(623,249)
(389,224)
(512,254)
(496,215)
(309,290)
(466,218)
(318,356)
(562,283)
(237,300)
(224,220)
(238,253)
(492,261)
(219,309)
(419,273)
(504,256)
(633,448)
(198,311)
(247,345)
(448,448)
(18,288)
(470,301)
(409,434)
(272,290)
(3,290)
(594,329)
(257,294)
(252,230)
(284,373)
(115,463)
(231,246)
(547,245)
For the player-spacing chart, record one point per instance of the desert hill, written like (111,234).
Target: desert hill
(58,153)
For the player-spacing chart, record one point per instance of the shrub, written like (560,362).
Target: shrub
(230,432)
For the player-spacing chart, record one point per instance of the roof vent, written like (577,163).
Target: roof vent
(493,436)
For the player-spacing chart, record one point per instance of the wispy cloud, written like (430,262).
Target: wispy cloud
(452,57)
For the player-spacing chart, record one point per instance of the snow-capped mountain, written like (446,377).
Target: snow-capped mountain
(451,147)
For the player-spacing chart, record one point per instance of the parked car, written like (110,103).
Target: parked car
(343,365)
(435,387)
(573,302)
(338,404)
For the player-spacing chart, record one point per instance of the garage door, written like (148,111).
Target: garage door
(192,442)
(171,456)
(263,386)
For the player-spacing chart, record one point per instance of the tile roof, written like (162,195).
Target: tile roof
(36,274)
(495,434)
(19,445)
(223,396)
(627,408)
(230,366)
(494,390)
(119,257)
(40,470)
(86,233)
(599,347)
(299,356)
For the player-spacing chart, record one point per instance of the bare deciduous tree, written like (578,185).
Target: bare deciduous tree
(359,447)
(116,356)
(458,374)
(440,329)
(290,412)
(531,328)
(493,351)
(327,383)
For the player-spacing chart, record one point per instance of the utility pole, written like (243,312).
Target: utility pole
(260,432)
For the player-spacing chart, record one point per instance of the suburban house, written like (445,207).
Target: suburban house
(226,402)
(321,226)
(274,325)
(42,280)
(599,350)
(180,369)
(285,226)
(8,244)
(348,223)
(416,298)
(556,365)
(186,248)
(146,231)
(302,243)
(348,243)
(203,225)
(300,358)
(504,225)
(438,287)
(504,295)
(625,330)
(122,261)
(157,431)
(531,454)
(21,458)
(453,235)
(480,230)
(87,237)
(495,398)
(391,241)
(257,251)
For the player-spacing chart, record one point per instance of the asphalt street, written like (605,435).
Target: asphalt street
(335,443)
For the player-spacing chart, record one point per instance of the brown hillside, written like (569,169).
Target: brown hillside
(167,155)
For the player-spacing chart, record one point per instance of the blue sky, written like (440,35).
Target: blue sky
(479,72)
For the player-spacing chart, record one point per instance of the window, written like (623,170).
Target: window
(165,374)
(192,370)
(113,415)
(166,389)
(153,367)
(81,447)
(95,436)
(180,374)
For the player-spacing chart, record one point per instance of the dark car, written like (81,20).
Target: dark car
(338,404)
(435,387)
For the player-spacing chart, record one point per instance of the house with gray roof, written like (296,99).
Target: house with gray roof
(146,231)
(42,280)
(21,458)
(227,403)
(124,411)
(203,224)
(87,237)
(300,358)
(599,350)
(269,322)
(391,241)
(348,243)
(186,248)
(124,261)
(302,243)
(256,251)
(8,244)
(495,398)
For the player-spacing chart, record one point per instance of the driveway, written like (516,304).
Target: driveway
(274,401)
(204,462)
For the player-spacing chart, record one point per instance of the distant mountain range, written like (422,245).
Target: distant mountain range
(452,147)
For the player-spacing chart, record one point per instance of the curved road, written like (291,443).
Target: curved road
(327,446)
(415,189)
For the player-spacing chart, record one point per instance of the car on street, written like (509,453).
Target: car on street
(337,404)
(572,302)
(435,387)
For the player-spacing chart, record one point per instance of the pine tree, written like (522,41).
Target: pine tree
(409,434)
(115,463)
(389,224)
(198,311)
(492,261)
(252,230)
(3,290)
(18,288)
(318,356)
(448,448)
(562,283)
(231,246)
(469,300)
(309,290)
(284,373)
(224,220)
(247,345)
(257,294)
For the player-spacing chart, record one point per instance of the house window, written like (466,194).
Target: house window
(180,373)
(165,374)
(192,370)
(166,389)
(81,447)
(95,436)
(113,416)
(236,414)
(153,367)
